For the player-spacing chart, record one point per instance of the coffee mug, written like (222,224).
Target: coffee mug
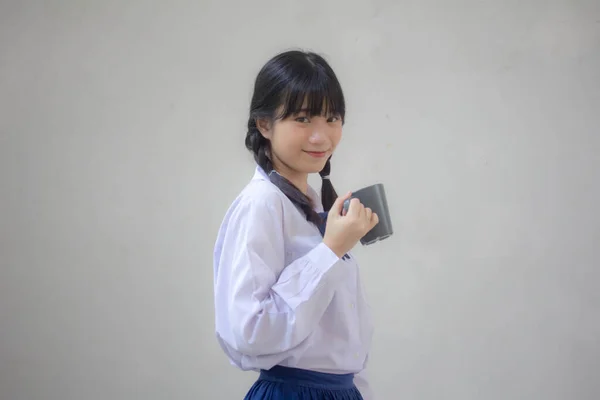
(374,198)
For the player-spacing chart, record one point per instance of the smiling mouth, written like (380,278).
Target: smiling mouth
(316,154)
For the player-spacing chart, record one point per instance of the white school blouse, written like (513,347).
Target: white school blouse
(282,297)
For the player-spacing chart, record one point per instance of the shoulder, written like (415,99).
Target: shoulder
(261,193)
(258,200)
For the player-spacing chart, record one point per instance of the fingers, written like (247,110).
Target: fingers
(356,209)
(360,212)
(374,220)
(368,214)
(336,207)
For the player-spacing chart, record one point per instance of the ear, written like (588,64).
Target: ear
(264,127)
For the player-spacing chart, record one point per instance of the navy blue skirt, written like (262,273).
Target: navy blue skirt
(283,383)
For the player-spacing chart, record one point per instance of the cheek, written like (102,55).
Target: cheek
(288,139)
(336,137)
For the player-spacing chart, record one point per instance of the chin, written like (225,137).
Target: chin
(312,166)
(315,169)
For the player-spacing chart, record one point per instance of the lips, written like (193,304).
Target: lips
(316,154)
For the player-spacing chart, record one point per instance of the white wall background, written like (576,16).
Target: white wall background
(121,146)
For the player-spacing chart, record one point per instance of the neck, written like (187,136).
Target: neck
(298,179)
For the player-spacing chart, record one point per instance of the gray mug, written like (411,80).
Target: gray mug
(374,198)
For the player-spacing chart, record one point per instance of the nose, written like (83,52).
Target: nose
(316,137)
(319,134)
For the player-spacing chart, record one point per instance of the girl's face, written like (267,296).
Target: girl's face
(301,144)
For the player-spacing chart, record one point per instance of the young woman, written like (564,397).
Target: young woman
(288,296)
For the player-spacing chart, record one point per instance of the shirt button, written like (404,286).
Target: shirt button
(356,355)
(352,305)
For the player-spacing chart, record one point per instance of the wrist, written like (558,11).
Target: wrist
(335,248)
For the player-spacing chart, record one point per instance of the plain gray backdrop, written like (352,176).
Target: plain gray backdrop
(121,146)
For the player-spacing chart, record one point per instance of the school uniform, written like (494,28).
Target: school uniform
(285,304)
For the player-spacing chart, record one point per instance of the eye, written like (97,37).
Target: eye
(302,119)
(335,118)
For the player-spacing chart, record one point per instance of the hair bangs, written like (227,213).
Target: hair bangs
(316,93)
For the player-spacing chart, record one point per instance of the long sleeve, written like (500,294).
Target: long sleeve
(263,306)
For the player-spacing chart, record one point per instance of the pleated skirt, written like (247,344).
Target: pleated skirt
(283,383)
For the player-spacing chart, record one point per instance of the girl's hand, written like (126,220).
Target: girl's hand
(342,232)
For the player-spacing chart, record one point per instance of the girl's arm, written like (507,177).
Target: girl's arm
(262,305)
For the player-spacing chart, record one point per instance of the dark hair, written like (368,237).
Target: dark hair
(287,81)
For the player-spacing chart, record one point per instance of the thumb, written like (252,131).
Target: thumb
(336,207)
